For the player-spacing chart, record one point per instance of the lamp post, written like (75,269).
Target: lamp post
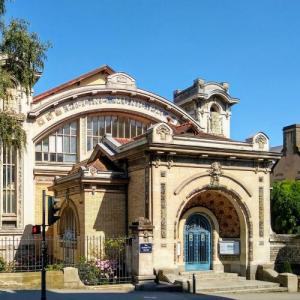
(44,249)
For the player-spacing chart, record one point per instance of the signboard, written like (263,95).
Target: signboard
(229,247)
(146,248)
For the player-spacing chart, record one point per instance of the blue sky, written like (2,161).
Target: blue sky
(166,44)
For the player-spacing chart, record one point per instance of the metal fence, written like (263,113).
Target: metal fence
(99,260)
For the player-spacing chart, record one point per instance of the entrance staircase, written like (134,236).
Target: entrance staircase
(210,282)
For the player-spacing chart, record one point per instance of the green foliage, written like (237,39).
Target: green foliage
(22,59)
(11,132)
(285,207)
(2,7)
(25,51)
(55,267)
(2,264)
(88,272)
(6,86)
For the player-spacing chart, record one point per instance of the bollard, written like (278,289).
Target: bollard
(194,283)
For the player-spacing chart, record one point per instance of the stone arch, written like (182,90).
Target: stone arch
(246,255)
(68,205)
(76,117)
(187,181)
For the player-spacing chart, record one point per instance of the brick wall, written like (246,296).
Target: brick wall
(136,195)
(105,212)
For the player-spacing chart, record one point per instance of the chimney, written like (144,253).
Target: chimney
(291,139)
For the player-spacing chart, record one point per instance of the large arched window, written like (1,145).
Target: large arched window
(60,146)
(116,125)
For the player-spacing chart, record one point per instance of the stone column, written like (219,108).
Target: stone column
(142,256)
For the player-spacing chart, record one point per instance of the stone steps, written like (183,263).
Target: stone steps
(230,286)
(212,276)
(211,282)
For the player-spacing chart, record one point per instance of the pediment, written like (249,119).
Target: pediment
(120,80)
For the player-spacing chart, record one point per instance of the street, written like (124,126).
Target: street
(139,295)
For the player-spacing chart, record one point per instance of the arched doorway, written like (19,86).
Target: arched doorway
(197,243)
(68,235)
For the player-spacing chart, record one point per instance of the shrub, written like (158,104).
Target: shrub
(2,264)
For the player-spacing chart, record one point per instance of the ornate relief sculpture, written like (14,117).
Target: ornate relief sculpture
(215,173)
(261,141)
(163,131)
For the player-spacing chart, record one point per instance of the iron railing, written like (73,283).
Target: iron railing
(100,260)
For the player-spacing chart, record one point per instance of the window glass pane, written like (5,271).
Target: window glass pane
(73,128)
(101,126)
(89,123)
(95,142)
(38,147)
(13,202)
(67,129)
(59,144)
(132,128)
(66,144)
(51,143)
(73,144)
(8,181)
(95,126)
(107,124)
(139,128)
(127,128)
(89,143)
(4,176)
(121,127)
(69,158)
(46,145)
(52,157)
(60,157)
(114,126)
(4,202)
(38,156)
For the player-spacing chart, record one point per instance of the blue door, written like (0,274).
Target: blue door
(197,237)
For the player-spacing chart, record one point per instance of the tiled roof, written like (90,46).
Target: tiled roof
(123,140)
(97,164)
(188,129)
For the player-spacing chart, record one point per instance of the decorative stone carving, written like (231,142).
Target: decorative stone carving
(215,173)
(261,141)
(93,170)
(120,80)
(163,210)
(163,131)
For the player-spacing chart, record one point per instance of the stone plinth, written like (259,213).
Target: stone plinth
(142,257)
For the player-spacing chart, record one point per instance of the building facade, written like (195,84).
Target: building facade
(288,167)
(113,153)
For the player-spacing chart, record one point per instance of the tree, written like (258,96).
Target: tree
(22,57)
(285,206)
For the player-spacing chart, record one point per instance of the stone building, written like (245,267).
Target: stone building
(112,153)
(288,167)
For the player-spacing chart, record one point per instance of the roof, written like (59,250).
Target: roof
(123,141)
(103,165)
(276,149)
(105,69)
(188,129)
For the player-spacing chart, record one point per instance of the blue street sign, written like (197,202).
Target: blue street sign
(146,248)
